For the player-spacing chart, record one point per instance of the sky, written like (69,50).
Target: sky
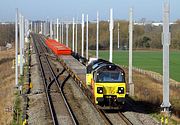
(67,9)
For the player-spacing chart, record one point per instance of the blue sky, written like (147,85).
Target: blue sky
(66,9)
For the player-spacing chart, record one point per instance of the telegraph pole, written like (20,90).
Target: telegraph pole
(87,37)
(57,32)
(131,85)
(67,26)
(97,37)
(82,51)
(166,42)
(16,42)
(118,35)
(73,36)
(111,35)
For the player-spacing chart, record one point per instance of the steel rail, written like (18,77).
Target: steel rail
(58,84)
(127,121)
(105,117)
(51,107)
(85,91)
(82,87)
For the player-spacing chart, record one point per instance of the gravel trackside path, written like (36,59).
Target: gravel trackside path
(38,112)
(84,111)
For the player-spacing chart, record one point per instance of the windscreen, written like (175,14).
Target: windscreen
(110,76)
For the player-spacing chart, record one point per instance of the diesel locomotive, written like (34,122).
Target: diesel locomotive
(107,83)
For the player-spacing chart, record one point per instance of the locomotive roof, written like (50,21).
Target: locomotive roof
(99,64)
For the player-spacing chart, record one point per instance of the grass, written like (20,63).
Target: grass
(149,90)
(170,120)
(148,60)
(6,86)
(17,116)
(17,110)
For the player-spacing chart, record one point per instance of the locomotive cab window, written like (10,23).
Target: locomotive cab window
(110,76)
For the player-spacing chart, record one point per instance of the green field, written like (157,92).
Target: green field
(148,60)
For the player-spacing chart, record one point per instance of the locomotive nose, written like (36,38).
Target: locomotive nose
(109,90)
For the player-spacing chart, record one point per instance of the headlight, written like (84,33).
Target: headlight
(100,90)
(120,90)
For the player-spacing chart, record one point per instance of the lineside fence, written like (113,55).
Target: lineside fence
(154,75)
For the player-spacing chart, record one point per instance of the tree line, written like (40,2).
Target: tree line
(144,36)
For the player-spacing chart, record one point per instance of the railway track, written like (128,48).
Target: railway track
(55,98)
(44,53)
(80,84)
(116,117)
(124,118)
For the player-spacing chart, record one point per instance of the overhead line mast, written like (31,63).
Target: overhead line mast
(16,43)
(131,85)
(73,36)
(57,30)
(111,35)
(97,36)
(82,51)
(87,37)
(166,42)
